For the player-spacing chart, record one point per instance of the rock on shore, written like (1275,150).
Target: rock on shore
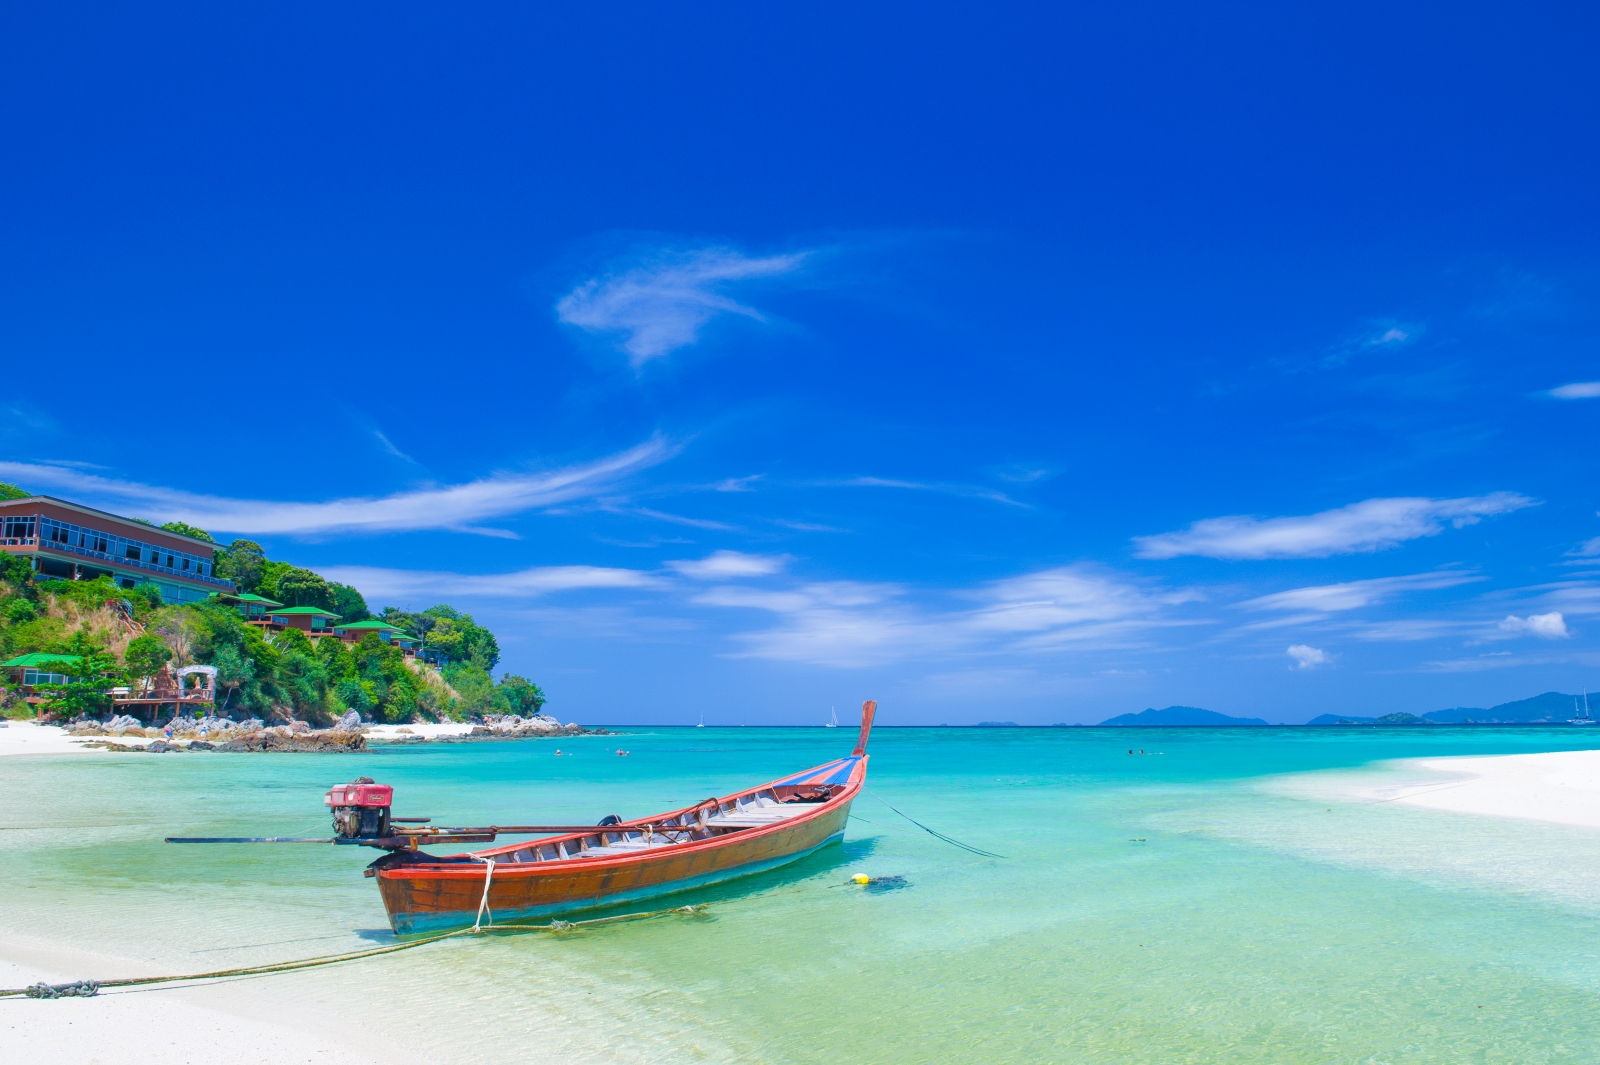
(289,740)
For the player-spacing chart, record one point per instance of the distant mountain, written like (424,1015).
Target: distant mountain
(1386,719)
(1548,708)
(1551,706)
(998,724)
(1181,715)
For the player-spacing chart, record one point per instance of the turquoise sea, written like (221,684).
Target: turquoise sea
(1227,896)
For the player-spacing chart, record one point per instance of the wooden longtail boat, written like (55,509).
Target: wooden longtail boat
(719,839)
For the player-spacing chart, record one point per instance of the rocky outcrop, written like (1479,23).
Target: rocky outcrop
(286,739)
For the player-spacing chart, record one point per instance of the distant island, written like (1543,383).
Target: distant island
(1182,715)
(1549,708)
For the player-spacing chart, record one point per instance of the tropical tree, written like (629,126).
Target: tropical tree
(243,562)
(145,656)
(520,695)
(234,671)
(183,528)
(301,587)
(348,603)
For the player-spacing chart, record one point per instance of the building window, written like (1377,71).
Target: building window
(132,551)
(19,528)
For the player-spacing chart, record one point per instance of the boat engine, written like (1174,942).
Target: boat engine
(360,808)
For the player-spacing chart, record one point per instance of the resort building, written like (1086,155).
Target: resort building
(388,633)
(28,673)
(65,541)
(313,621)
(271,616)
(253,607)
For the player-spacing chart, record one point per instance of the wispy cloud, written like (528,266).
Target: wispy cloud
(1307,657)
(660,304)
(679,519)
(447,507)
(1370,525)
(1576,390)
(1353,595)
(1550,626)
(400,586)
(391,449)
(852,624)
(738,484)
(946,488)
(1376,338)
(724,565)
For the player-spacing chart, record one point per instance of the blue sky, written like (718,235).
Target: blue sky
(1032,363)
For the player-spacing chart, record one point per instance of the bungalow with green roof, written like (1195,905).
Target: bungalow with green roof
(38,670)
(352,633)
(253,607)
(314,621)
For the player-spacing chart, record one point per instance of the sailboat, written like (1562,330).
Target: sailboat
(1582,717)
(702,719)
(834,723)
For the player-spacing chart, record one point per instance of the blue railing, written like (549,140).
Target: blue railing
(133,563)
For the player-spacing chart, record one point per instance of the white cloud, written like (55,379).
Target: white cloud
(448,507)
(401,586)
(1352,595)
(846,623)
(662,304)
(1069,600)
(1306,657)
(1551,626)
(1588,549)
(1577,390)
(1370,525)
(722,565)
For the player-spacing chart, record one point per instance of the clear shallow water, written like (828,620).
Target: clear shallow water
(1265,917)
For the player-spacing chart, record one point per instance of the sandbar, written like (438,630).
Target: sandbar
(1561,787)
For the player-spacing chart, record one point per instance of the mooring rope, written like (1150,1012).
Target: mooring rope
(488,875)
(87,988)
(929,831)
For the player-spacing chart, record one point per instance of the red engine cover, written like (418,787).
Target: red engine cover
(360,795)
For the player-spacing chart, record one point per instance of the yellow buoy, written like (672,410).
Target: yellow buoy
(862,878)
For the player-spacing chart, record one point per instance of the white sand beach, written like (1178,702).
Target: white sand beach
(222,1022)
(26,737)
(1560,788)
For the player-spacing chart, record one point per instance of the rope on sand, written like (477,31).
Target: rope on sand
(88,988)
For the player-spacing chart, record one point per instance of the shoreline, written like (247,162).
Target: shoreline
(32,738)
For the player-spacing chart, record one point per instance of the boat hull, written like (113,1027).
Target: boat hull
(431,898)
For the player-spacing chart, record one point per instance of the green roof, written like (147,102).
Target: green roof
(370,624)
(312,610)
(248,597)
(37,659)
